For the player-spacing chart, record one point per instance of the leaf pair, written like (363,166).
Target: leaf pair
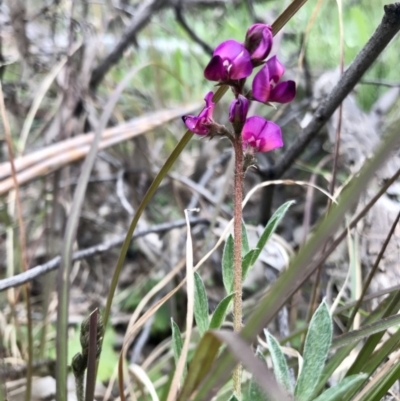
(250,256)
(201,308)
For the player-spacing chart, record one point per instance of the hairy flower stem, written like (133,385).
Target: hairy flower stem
(237,253)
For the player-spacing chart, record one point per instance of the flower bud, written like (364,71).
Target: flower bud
(258,41)
(238,112)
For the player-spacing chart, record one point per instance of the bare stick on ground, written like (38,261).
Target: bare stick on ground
(54,263)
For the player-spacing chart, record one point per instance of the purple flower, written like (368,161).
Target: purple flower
(261,135)
(230,61)
(266,87)
(200,125)
(259,41)
(238,110)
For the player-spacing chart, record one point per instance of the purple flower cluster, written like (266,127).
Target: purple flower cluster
(232,62)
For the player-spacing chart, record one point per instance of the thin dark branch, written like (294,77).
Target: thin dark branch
(54,263)
(380,39)
(180,18)
(142,17)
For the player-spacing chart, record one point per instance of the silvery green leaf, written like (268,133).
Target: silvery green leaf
(245,240)
(281,368)
(220,312)
(255,393)
(247,263)
(176,341)
(316,347)
(227,265)
(271,227)
(200,304)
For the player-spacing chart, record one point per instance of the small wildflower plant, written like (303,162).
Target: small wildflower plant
(232,64)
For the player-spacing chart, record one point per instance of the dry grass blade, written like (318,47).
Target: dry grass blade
(69,238)
(134,325)
(141,375)
(45,86)
(22,239)
(385,370)
(244,354)
(173,391)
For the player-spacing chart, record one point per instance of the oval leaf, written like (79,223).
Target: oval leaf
(318,341)
(177,342)
(227,265)
(200,304)
(271,227)
(245,240)
(281,368)
(247,262)
(220,312)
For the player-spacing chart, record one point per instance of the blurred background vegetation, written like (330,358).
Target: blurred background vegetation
(35,36)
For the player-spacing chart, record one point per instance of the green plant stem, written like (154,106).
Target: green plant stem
(237,252)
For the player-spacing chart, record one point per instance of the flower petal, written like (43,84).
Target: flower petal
(262,85)
(262,135)
(200,125)
(192,123)
(275,69)
(209,104)
(242,66)
(284,92)
(215,70)
(229,49)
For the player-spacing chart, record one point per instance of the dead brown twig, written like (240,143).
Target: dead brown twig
(53,157)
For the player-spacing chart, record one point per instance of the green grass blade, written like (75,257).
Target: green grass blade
(357,335)
(337,392)
(370,345)
(383,384)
